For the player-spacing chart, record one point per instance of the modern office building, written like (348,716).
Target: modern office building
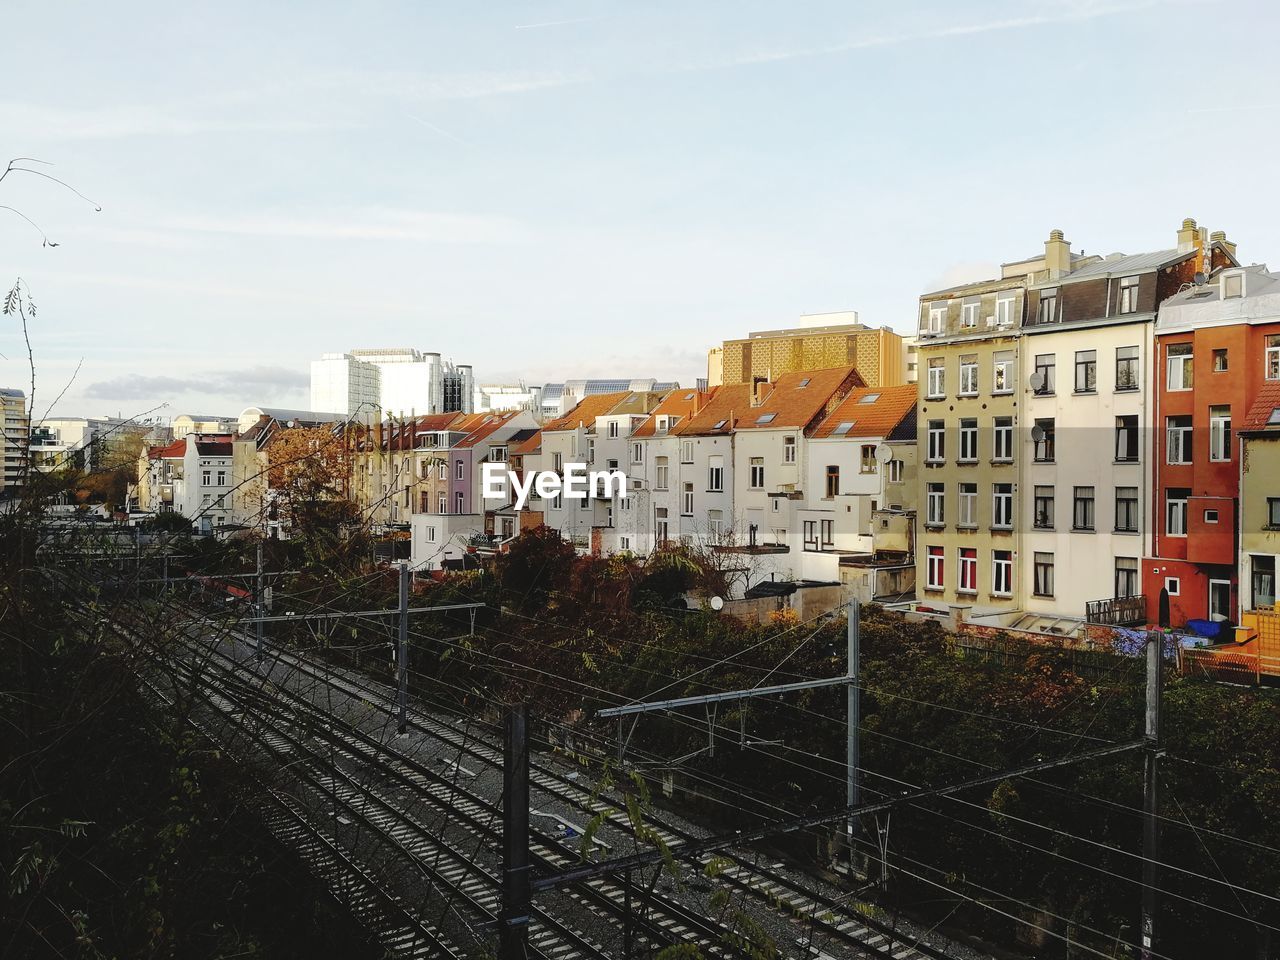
(399,381)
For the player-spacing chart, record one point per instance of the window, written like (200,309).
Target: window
(937,384)
(1044,501)
(1273,357)
(1263,580)
(715,476)
(1002,450)
(1211,516)
(1178,366)
(429,533)
(756,477)
(968,516)
(1046,435)
(1043,583)
(937,317)
(661,531)
(1127,439)
(1126,577)
(1220,360)
(937,441)
(969,312)
(1126,368)
(1086,371)
(498,454)
(788,449)
(637,453)
(206,478)
(623,542)
(222,478)
(867,463)
(1220,433)
(715,523)
(1176,511)
(686,451)
(833,481)
(591,449)
(1127,509)
(1128,301)
(1082,509)
(1002,505)
(1177,439)
(458,503)
(935,571)
(1002,573)
(1004,309)
(968,570)
(1046,367)
(686,505)
(1232,286)
(661,473)
(935,515)
(1002,372)
(895,471)
(811,534)
(969,376)
(1173,585)
(557,502)
(1273,512)
(613,428)
(442,503)
(968,440)
(1048,310)
(443,472)
(828,533)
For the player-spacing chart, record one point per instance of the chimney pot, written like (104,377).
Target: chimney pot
(1217,236)
(1055,234)
(1189,223)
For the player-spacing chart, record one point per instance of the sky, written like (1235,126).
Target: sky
(571,188)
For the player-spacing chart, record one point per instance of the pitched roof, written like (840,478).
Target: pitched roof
(433,422)
(870,412)
(716,416)
(677,403)
(214,448)
(1265,412)
(490,423)
(796,399)
(596,405)
(1121,265)
(530,444)
(169,451)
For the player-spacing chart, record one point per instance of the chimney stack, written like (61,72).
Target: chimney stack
(1188,236)
(1219,237)
(1057,255)
(756,384)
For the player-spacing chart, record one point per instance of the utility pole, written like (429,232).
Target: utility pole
(402,650)
(854,703)
(516,889)
(257,604)
(1150,795)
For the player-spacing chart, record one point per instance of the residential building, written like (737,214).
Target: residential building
(1218,360)
(201,494)
(559,399)
(491,397)
(1260,498)
(160,472)
(398,380)
(827,340)
(715,367)
(254,503)
(186,423)
(86,443)
(17,425)
(911,356)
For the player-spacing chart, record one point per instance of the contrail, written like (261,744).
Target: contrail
(432,127)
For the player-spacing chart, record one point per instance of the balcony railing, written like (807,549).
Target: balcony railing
(1117,611)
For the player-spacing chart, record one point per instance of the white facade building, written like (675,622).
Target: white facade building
(202,492)
(399,380)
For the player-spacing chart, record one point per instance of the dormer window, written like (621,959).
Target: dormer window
(937,317)
(1232,286)
(969,312)
(1128,302)
(1048,311)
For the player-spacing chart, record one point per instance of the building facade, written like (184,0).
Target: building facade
(17,426)
(831,340)
(402,381)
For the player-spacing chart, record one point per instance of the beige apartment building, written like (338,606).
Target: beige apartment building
(832,340)
(13,446)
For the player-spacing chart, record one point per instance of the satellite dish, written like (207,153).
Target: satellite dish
(1037,433)
(1199,278)
(717,603)
(884,452)
(1037,380)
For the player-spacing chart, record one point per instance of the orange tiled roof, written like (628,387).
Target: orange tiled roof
(677,403)
(529,445)
(169,451)
(797,399)
(875,418)
(1267,402)
(596,405)
(725,403)
(491,423)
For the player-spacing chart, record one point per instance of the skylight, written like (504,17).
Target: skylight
(765,418)
(1275,417)
(719,424)
(688,396)
(802,383)
(843,428)
(870,398)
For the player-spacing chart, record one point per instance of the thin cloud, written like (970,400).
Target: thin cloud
(261,382)
(374,224)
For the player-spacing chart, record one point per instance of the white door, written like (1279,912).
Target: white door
(1220,600)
